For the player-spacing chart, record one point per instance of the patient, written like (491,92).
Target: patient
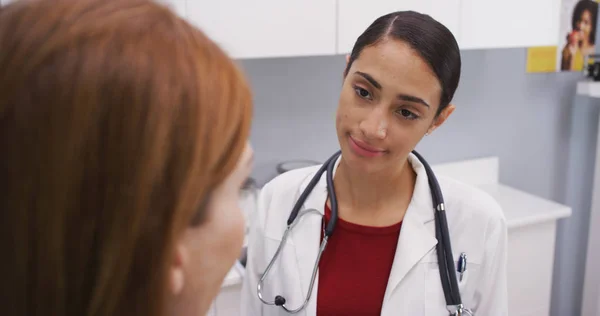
(123,143)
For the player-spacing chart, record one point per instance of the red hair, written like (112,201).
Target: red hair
(117,118)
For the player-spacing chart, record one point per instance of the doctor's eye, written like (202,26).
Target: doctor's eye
(408,115)
(361,92)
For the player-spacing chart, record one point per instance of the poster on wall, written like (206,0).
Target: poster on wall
(576,39)
(577,33)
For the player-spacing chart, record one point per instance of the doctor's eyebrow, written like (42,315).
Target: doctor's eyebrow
(369,78)
(403,97)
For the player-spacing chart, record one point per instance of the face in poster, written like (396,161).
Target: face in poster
(578,23)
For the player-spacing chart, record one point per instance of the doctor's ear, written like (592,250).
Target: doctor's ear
(346,67)
(176,273)
(441,118)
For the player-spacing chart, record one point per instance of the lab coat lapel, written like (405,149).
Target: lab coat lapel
(306,236)
(417,238)
(415,241)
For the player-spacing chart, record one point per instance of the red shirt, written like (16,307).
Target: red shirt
(354,268)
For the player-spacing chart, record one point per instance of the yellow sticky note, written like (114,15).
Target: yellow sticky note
(541,59)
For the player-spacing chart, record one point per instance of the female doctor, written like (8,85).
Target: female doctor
(381,260)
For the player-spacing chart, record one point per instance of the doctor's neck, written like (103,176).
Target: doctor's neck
(363,192)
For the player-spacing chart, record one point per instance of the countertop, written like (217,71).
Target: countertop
(522,209)
(589,88)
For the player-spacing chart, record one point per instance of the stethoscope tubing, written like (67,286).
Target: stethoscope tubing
(443,247)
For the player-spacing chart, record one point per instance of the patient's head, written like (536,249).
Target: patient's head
(123,135)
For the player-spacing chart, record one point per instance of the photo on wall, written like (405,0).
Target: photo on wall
(578,21)
(577,33)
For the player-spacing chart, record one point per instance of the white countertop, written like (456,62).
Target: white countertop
(523,209)
(520,208)
(589,88)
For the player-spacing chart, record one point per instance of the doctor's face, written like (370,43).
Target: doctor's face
(388,102)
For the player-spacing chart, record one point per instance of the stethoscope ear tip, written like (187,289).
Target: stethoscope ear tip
(279,300)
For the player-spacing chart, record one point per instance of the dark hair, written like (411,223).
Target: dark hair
(580,7)
(432,40)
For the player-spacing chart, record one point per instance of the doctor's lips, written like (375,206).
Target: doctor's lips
(364,149)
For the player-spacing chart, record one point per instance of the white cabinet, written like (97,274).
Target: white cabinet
(267,28)
(531,223)
(273,28)
(227,303)
(508,23)
(530,266)
(476,24)
(354,16)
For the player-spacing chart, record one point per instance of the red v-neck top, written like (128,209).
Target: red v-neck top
(355,267)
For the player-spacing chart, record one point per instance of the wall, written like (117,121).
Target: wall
(578,194)
(527,120)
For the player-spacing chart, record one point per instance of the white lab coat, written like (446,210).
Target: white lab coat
(476,224)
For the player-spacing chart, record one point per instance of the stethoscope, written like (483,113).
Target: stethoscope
(443,247)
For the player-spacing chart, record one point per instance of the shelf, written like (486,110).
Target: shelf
(589,88)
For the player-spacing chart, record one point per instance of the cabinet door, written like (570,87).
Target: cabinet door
(228,301)
(354,16)
(509,23)
(267,28)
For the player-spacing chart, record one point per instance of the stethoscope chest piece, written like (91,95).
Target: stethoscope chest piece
(459,310)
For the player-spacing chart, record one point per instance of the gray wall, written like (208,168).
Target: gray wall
(545,144)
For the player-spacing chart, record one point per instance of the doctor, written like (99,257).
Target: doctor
(381,259)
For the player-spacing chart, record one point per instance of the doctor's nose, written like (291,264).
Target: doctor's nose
(374,126)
